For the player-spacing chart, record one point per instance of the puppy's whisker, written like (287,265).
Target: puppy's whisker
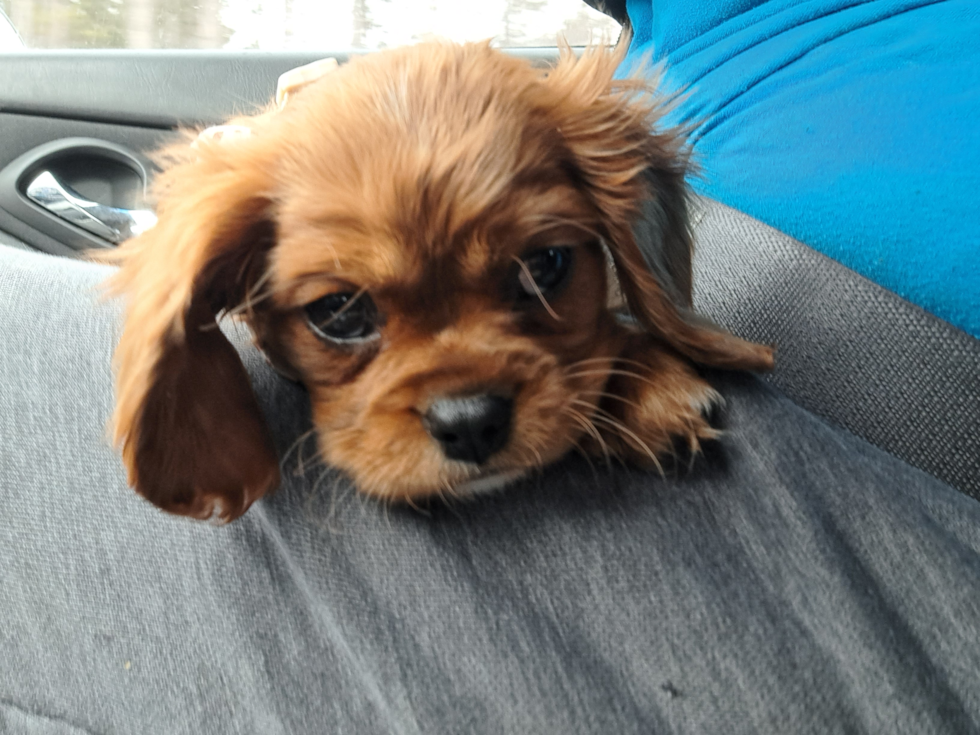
(586,423)
(250,300)
(588,404)
(450,488)
(295,446)
(591,360)
(449,501)
(300,461)
(337,497)
(626,433)
(311,497)
(300,467)
(598,411)
(327,245)
(529,454)
(613,152)
(612,358)
(254,291)
(386,504)
(537,455)
(347,305)
(550,222)
(537,291)
(625,373)
(607,394)
(418,509)
(244,307)
(260,283)
(252,296)
(588,460)
(529,457)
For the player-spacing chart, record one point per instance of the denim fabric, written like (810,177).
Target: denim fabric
(796,580)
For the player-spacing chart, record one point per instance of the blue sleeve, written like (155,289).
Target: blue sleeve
(851,126)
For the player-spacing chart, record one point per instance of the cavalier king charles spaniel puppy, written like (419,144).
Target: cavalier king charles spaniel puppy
(438,242)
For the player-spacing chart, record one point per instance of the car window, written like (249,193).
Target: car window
(9,39)
(281,25)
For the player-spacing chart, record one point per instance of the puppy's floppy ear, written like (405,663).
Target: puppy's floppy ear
(192,436)
(630,168)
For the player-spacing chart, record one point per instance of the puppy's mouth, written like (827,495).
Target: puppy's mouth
(466,437)
(489,483)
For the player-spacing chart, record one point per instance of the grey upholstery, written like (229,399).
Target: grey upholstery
(798,581)
(847,349)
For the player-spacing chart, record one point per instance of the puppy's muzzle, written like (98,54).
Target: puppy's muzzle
(470,429)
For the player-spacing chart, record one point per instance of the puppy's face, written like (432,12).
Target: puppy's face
(421,238)
(438,295)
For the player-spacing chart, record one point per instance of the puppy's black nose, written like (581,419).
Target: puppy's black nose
(469,429)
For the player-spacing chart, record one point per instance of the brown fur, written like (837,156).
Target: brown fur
(419,175)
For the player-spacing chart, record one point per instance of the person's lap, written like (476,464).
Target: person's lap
(798,580)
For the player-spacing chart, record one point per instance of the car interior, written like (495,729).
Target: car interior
(765,590)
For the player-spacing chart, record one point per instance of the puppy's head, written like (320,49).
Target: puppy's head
(421,238)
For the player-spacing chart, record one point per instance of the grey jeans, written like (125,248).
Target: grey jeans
(797,580)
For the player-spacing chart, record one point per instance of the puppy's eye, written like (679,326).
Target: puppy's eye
(343,317)
(548,267)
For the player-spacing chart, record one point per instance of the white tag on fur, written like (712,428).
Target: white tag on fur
(289,82)
(218,133)
(295,79)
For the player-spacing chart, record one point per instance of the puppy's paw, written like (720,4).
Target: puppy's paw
(656,409)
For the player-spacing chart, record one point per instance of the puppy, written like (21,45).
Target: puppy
(427,238)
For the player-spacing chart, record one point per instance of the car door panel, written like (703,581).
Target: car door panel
(22,133)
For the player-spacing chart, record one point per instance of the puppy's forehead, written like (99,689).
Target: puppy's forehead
(397,161)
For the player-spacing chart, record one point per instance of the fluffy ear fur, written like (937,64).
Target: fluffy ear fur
(630,167)
(192,436)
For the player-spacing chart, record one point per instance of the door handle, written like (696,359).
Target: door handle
(109,223)
(73,194)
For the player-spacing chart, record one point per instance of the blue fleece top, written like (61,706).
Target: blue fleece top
(852,126)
